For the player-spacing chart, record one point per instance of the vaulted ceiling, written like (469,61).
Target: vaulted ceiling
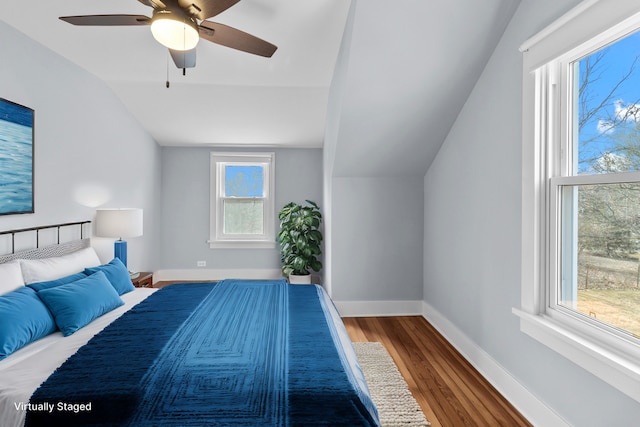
(411,65)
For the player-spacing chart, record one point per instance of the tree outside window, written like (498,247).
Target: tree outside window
(601,220)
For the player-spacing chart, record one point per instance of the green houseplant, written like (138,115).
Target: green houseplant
(300,239)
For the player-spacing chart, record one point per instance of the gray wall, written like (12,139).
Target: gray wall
(89,151)
(377,238)
(472,236)
(185,206)
(375,223)
(332,133)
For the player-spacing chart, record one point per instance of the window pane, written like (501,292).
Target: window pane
(608,108)
(601,228)
(244,181)
(243,216)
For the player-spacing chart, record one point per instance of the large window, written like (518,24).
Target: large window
(581,192)
(242,206)
(597,186)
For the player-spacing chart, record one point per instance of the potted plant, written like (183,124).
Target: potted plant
(300,240)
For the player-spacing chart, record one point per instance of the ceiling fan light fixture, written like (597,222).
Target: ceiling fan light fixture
(173,32)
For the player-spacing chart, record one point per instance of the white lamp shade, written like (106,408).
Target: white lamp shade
(119,223)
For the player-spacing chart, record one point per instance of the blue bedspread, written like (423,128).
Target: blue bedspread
(237,353)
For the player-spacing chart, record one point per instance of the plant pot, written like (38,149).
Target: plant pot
(300,279)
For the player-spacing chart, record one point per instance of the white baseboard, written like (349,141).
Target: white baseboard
(378,308)
(208,274)
(531,407)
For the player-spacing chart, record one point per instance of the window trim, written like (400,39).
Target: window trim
(217,238)
(606,356)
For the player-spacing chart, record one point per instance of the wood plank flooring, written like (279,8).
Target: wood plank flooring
(449,390)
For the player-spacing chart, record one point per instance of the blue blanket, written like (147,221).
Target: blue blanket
(237,353)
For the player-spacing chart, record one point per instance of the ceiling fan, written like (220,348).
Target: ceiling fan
(179,24)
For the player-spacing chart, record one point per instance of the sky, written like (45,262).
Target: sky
(244,181)
(599,135)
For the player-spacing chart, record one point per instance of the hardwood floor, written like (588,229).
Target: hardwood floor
(449,390)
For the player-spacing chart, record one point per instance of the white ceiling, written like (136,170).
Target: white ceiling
(407,69)
(230,97)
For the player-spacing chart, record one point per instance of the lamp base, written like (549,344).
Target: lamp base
(120,251)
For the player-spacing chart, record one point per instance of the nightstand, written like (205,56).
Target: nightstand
(144,280)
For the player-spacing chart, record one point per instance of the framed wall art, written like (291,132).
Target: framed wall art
(16,158)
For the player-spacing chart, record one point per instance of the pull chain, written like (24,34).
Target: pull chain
(168,84)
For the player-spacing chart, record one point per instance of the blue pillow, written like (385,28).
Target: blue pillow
(117,274)
(38,286)
(23,319)
(76,304)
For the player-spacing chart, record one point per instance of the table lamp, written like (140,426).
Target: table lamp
(120,223)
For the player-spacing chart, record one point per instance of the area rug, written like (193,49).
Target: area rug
(389,391)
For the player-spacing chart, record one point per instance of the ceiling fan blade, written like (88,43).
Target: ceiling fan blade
(183,58)
(231,37)
(208,8)
(107,20)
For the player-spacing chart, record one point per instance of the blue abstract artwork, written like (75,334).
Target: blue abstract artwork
(16,158)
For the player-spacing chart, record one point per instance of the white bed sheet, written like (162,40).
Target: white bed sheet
(22,372)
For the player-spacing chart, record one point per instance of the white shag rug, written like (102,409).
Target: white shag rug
(396,405)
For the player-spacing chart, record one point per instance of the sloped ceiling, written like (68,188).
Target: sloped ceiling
(230,97)
(411,66)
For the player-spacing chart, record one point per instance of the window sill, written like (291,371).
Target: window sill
(241,244)
(621,372)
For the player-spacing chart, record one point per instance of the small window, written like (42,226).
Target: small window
(242,207)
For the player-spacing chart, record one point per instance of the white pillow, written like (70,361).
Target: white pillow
(10,277)
(40,270)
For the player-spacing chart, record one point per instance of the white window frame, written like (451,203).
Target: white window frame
(218,238)
(546,84)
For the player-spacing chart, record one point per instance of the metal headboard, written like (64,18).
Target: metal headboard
(57,249)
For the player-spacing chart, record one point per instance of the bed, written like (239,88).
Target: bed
(236,352)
